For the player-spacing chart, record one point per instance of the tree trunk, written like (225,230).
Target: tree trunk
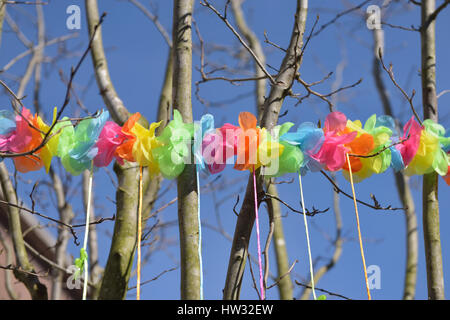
(430,204)
(285,285)
(65,215)
(2,18)
(37,290)
(401,180)
(271,110)
(120,260)
(187,181)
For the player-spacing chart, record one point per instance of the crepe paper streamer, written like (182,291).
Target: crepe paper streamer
(396,160)
(20,137)
(145,142)
(440,159)
(50,149)
(7,122)
(261,283)
(358,226)
(125,150)
(333,150)
(199,235)
(423,160)
(86,233)
(373,138)
(363,145)
(309,140)
(403,153)
(268,152)
(420,149)
(248,141)
(447,177)
(7,127)
(139,236)
(311,269)
(219,146)
(412,130)
(206,126)
(25,139)
(109,140)
(381,129)
(292,158)
(174,144)
(77,145)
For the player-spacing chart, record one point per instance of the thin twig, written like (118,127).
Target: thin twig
(376,206)
(267,247)
(266,40)
(434,15)
(283,275)
(339,15)
(381,151)
(323,290)
(155,278)
(18,269)
(24,2)
(253,276)
(307,211)
(412,28)
(242,41)
(29,51)
(155,20)
(73,72)
(391,75)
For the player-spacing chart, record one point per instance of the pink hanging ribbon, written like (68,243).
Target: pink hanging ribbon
(261,284)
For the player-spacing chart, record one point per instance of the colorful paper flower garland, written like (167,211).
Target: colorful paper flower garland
(420,149)
(359,151)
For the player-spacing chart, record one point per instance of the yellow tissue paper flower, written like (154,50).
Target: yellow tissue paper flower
(145,142)
(268,150)
(423,160)
(50,149)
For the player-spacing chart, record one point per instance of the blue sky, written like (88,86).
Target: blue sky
(137,56)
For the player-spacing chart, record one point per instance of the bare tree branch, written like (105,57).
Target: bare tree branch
(241,40)
(269,118)
(155,20)
(35,287)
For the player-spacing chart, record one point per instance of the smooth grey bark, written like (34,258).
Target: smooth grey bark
(430,204)
(8,275)
(117,271)
(123,245)
(187,181)
(401,181)
(37,290)
(285,287)
(65,215)
(271,110)
(255,45)
(2,18)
